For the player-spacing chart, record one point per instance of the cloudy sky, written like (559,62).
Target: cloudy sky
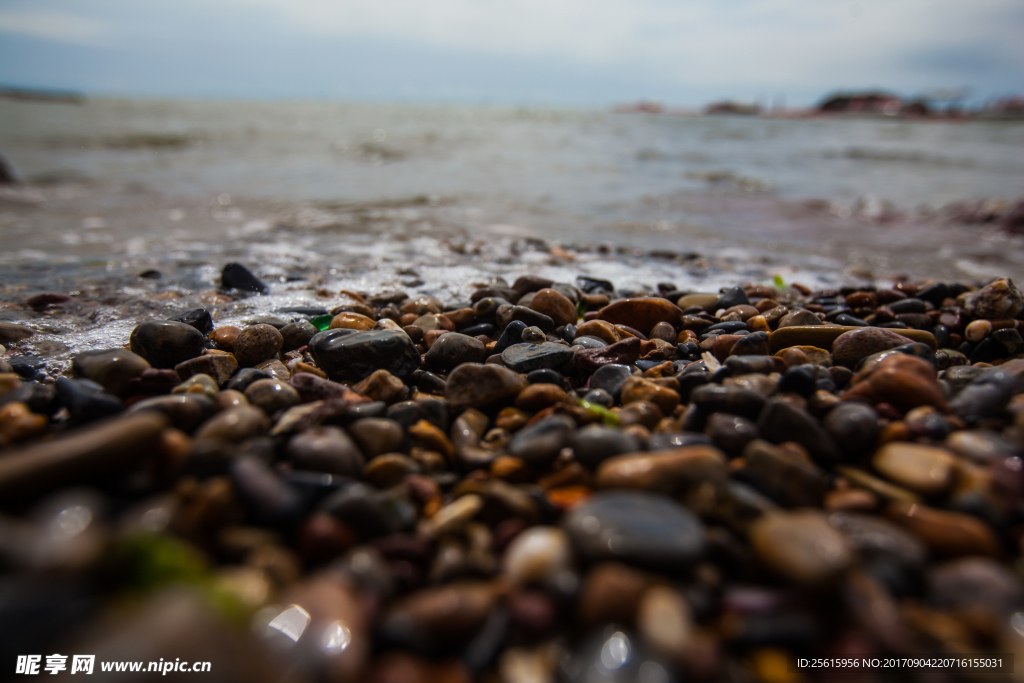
(562,52)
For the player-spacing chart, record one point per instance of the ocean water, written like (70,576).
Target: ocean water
(330,196)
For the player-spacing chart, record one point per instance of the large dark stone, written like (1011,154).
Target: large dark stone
(642,529)
(237,276)
(351,356)
(165,343)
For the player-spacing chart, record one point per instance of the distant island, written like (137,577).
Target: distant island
(940,105)
(40,95)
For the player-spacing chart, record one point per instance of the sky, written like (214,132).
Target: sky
(550,52)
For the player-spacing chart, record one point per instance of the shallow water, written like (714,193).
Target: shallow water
(322,197)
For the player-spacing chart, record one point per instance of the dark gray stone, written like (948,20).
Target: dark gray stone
(165,343)
(237,276)
(351,356)
(641,529)
(594,444)
(529,357)
(540,443)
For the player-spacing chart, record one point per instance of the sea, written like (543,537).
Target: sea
(327,196)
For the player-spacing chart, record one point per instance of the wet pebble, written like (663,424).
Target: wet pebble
(164,343)
(646,530)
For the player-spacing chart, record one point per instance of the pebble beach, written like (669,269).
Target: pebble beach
(531,435)
(538,481)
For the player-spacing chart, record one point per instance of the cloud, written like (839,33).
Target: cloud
(768,42)
(677,50)
(60,27)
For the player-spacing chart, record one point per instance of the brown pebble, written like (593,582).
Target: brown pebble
(225,337)
(381,385)
(949,534)
(18,423)
(539,396)
(801,545)
(611,593)
(920,468)
(600,329)
(257,343)
(351,321)
(555,305)
(642,389)
(642,314)
(665,471)
(851,500)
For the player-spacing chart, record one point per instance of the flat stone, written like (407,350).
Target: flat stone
(86,453)
(850,347)
(823,336)
(801,545)
(641,529)
(164,343)
(527,357)
(947,534)
(669,471)
(350,356)
(924,469)
(113,368)
(12,332)
(473,385)
(641,314)
(256,344)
